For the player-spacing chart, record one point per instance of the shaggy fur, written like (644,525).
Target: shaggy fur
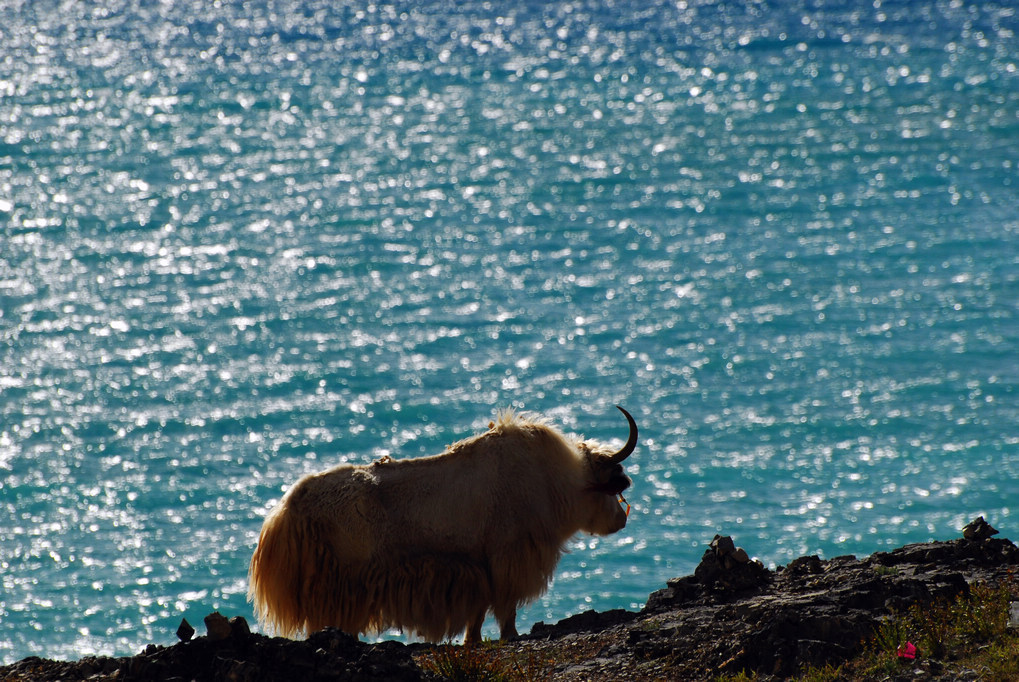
(431,545)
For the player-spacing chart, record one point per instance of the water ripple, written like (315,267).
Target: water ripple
(245,242)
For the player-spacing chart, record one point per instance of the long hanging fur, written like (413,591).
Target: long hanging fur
(298,585)
(429,545)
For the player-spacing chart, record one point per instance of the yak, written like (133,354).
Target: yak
(431,545)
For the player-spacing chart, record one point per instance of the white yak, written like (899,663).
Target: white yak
(431,545)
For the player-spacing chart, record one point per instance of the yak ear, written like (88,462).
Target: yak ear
(631,442)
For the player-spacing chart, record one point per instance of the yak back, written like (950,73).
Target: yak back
(516,482)
(514,486)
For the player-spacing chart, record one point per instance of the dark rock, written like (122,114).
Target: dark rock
(678,591)
(720,570)
(729,618)
(239,627)
(805,565)
(185,632)
(217,626)
(587,621)
(723,545)
(978,529)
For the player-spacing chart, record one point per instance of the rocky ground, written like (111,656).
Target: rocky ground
(732,615)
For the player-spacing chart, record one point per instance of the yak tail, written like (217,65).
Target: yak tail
(283,571)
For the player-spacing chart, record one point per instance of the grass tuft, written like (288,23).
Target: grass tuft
(486,663)
(968,633)
(465,664)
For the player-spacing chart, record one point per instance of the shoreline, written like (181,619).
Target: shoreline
(732,616)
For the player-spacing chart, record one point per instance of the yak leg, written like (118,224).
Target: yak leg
(508,625)
(473,635)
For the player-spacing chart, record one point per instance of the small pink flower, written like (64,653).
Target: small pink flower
(907,650)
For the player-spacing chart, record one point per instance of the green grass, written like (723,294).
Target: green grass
(968,634)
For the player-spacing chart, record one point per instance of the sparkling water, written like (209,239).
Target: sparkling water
(241,242)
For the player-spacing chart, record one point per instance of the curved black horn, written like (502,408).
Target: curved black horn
(631,442)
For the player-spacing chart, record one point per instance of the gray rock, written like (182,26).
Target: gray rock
(978,529)
(723,545)
(184,631)
(745,620)
(218,626)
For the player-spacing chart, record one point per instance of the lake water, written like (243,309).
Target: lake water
(243,242)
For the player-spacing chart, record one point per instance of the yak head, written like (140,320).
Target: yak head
(607,481)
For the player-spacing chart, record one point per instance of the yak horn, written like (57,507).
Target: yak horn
(631,442)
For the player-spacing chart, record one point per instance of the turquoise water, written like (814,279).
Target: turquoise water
(241,243)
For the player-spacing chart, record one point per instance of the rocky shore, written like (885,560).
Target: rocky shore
(732,615)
